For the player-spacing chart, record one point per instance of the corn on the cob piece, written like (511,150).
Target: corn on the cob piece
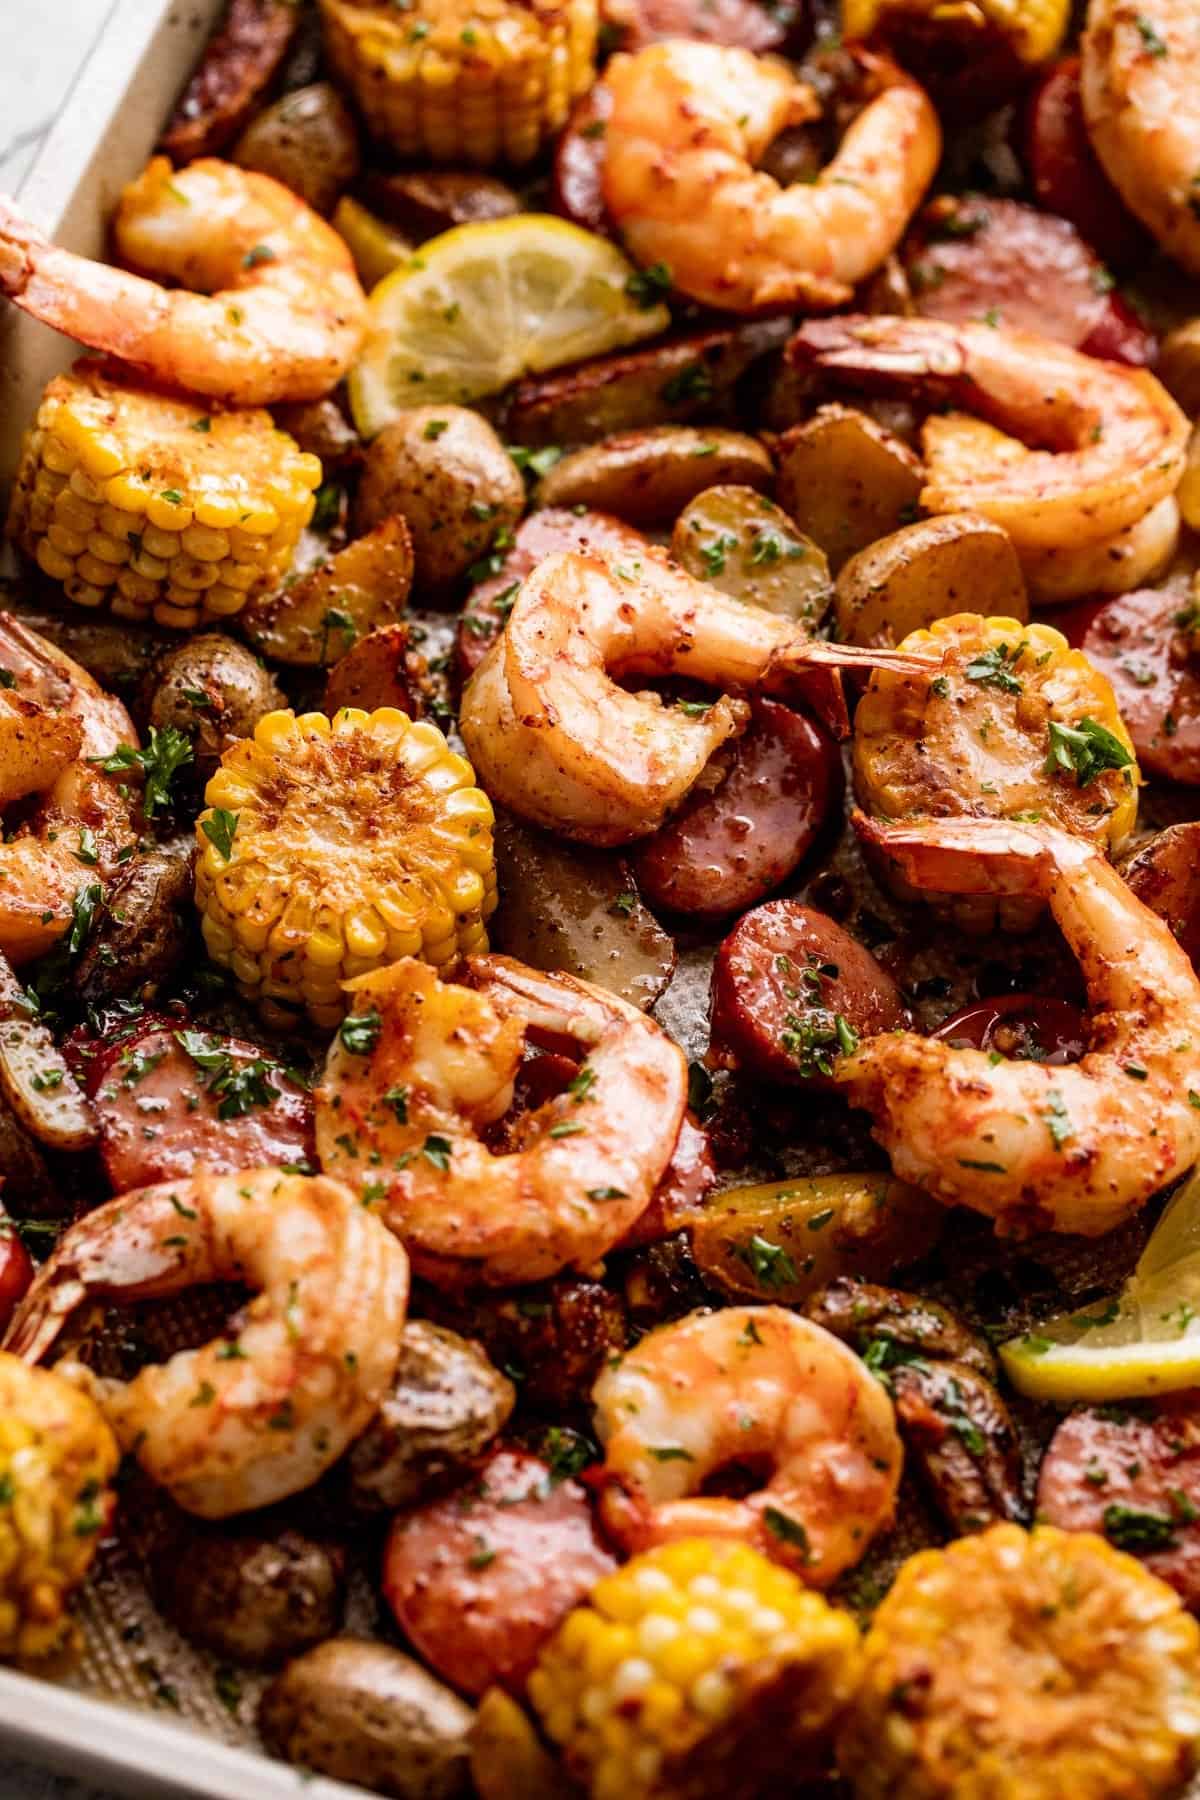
(156,507)
(698,1667)
(57,1456)
(1033,29)
(476,81)
(997,732)
(1025,1666)
(334,847)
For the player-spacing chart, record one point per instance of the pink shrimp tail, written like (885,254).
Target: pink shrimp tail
(976,856)
(19,242)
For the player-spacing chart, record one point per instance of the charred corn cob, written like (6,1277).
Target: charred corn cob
(57,1456)
(1033,29)
(699,1662)
(1016,725)
(1025,1666)
(154,506)
(332,847)
(476,81)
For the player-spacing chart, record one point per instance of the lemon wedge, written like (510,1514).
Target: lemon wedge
(483,304)
(1144,1340)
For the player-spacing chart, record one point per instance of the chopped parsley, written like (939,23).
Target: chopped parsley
(220,830)
(166,752)
(767,1262)
(1084,751)
(359,1032)
(994,668)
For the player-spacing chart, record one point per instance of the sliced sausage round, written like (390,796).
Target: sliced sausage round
(578,176)
(791,991)
(973,259)
(1066,173)
(538,536)
(1132,1473)
(1138,642)
(1165,875)
(480,1579)
(169,1097)
(1030,1027)
(729,846)
(16,1270)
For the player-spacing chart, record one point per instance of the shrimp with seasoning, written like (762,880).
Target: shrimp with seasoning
(749,1385)
(422,1067)
(554,738)
(1060,449)
(689,122)
(1140,65)
(263,1411)
(83,829)
(269,307)
(1075,1148)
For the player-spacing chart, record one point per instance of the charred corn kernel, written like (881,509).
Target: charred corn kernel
(699,1659)
(1025,1666)
(1033,29)
(116,477)
(1016,725)
(330,847)
(57,1456)
(477,81)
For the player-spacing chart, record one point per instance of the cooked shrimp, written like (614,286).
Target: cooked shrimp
(1110,441)
(749,1385)
(277,312)
(263,1411)
(1139,74)
(1132,558)
(83,829)
(1073,1148)
(689,121)
(403,1120)
(552,736)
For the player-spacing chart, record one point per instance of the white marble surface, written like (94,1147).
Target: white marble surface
(43,45)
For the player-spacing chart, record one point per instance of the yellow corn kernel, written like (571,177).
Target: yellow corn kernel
(478,81)
(986,723)
(297,896)
(206,516)
(640,1713)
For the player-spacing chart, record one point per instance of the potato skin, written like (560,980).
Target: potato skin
(255,1600)
(845,481)
(648,477)
(927,571)
(315,621)
(236,692)
(143,932)
(308,140)
(366,1713)
(444,470)
(445,1404)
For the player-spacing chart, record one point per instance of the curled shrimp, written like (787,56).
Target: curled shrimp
(554,738)
(1132,558)
(82,829)
(1058,448)
(689,121)
(1140,66)
(403,1120)
(748,1385)
(263,1411)
(277,312)
(1073,1148)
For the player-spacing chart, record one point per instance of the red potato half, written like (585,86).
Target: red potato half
(479,1579)
(731,845)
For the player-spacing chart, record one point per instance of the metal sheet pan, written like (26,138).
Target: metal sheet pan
(106,128)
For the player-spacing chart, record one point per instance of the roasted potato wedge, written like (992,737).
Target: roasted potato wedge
(313,622)
(446,472)
(366,1713)
(238,65)
(212,689)
(745,545)
(578,910)
(508,1759)
(321,428)
(782,1240)
(683,379)
(308,140)
(926,571)
(420,203)
(845,481)
(34,1076)
(144,932)
(648,477)
(382,669)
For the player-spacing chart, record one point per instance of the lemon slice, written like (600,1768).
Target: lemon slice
(483,304)
(1144,1340)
